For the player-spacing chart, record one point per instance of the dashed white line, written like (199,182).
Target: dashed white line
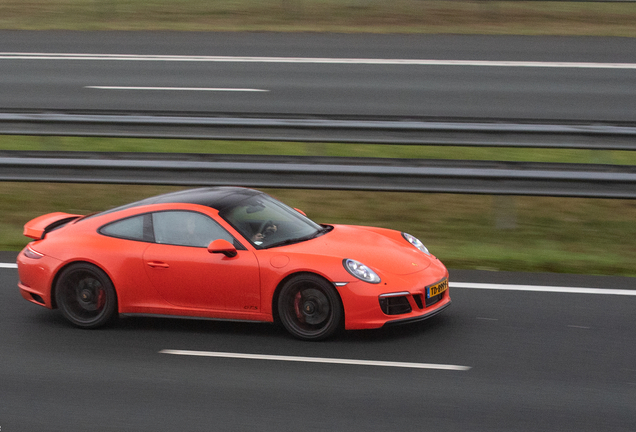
(8,265)
(312,60)
(210,89)
(316,360)
(537,288)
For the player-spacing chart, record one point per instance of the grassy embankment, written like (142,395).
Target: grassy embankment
(466,231)
(378,16)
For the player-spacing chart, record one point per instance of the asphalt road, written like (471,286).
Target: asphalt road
(538,362)
(549,91)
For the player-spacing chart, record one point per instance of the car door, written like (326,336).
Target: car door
(186,275)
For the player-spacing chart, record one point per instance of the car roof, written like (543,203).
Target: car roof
(215,197)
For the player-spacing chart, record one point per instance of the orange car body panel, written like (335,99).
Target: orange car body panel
(151,278)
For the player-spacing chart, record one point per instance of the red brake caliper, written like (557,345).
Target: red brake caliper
(101,299)
(299,313)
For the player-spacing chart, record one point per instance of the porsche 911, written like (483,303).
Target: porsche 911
(228,253)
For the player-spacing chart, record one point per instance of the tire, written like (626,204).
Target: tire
(85,295)
(309,308)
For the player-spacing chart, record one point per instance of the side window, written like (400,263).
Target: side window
(130,228)
(186,228)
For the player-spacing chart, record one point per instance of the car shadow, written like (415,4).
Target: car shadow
(433,326)
(194,325)
(405,331)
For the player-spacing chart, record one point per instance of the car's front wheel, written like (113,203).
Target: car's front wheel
(309,307)
(85,295)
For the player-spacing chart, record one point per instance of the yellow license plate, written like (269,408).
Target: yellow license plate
(436,289)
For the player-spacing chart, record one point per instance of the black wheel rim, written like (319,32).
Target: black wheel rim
(308,310)
(84,296)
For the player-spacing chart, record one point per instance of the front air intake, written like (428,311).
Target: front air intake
(37,298)
(395,305)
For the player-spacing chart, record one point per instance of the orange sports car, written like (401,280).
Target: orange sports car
(228,253)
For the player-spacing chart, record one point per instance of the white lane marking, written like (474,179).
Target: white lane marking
(316,360)
(554,289)
(211,89)
(312,60)
(8,265)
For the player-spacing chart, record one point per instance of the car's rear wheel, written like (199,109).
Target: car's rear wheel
(85,295)
(309,307)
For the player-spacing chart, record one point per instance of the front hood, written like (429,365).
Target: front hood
(383,250)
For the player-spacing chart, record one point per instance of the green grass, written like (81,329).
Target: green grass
(349,16)
(569,235)
(315,149)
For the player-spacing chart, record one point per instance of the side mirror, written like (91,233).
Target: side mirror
(224,247)
(300,211)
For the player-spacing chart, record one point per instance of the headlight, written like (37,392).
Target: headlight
(360,271)
(415,242)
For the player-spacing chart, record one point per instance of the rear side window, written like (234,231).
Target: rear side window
(130,229)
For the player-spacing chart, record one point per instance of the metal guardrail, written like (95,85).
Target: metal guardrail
(510,178)
(473,177)
(404,132)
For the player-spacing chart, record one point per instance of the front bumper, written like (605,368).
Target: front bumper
(419,317)
(364,309)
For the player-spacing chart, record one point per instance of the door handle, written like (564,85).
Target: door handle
(158,264)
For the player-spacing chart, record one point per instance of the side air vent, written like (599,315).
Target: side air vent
(37,298)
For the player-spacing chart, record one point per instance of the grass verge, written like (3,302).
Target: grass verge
(49,143)
(349,16)
(537,234)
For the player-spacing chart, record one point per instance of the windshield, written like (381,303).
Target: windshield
(266,222)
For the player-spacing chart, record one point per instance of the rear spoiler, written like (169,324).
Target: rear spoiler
(38,227)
